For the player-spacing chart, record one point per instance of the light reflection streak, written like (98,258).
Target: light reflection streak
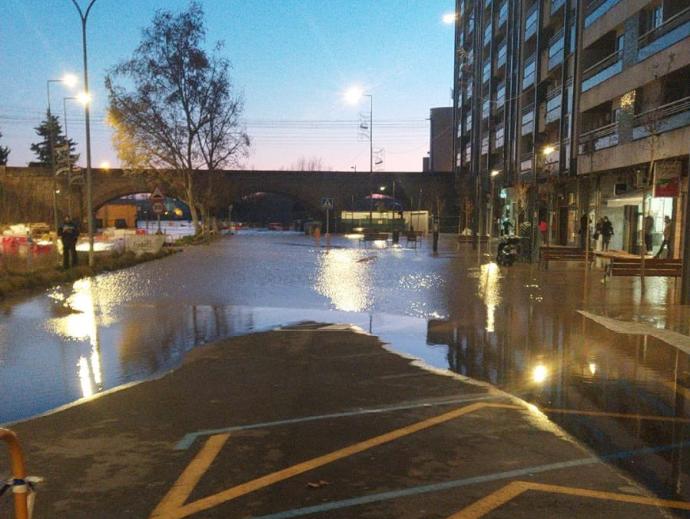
(488,291)
(344,280)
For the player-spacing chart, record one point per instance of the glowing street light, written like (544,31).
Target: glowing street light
(539,374)
(548,150)
(382,188)
(84,98)
(104,165)
(352,96)
(495,172)
(449,18)
(71,80)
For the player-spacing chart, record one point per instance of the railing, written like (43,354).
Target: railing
(556,49)
(602,70)
(19,484)
(596,9)
(553,105)
(670,116)
(671,31)
(528,77)
(599,138)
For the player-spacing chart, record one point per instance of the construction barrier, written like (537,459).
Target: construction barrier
(18,483)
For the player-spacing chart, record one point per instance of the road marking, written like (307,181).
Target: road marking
(171,507)
(493,501)
(659,418)
(191,475)
(448,485)
(189,438)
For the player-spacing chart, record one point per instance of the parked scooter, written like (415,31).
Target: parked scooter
(508,251)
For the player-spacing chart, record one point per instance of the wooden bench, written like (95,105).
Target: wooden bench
(561,253)
(652,267)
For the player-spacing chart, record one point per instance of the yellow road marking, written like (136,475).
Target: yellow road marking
(191,475)
(171,508)
(489,503)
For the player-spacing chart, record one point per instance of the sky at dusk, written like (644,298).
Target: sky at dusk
(292,60)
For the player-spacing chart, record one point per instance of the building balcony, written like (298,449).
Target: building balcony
(662,119)
(598,139)
(556,50)
(553,105)
(526,160)
(527,121)
(671,31)
(597,9)
(602,70)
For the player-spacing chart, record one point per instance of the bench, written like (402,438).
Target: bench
(369,237)
(561,253)
(652,267)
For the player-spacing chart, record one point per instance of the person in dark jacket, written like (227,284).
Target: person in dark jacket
(667,239)
(606,232)
(69,233)
(584,225)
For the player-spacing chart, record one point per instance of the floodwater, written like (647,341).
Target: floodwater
(607,362)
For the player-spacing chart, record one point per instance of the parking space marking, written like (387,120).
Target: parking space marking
(170,508)
(189,438)
(487,504)
(191,475)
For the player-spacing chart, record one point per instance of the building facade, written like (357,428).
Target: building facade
(441,140)
(577,107)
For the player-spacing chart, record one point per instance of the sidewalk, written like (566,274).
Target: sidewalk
(308,421)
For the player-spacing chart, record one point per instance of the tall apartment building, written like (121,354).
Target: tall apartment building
(568,103)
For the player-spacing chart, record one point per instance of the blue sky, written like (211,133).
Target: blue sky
(292,59)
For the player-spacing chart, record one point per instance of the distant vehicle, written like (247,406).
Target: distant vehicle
(275,226)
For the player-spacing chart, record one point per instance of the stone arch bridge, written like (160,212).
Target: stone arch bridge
(26,194)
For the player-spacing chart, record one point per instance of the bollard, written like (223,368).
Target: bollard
(435,229)
(19,489)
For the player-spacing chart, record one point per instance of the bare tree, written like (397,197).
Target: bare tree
(4,154)
(309,164)
(181,114)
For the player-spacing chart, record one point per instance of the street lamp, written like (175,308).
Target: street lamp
(449,18)
(353,95)
(84,15)
(494,173)
(70,80)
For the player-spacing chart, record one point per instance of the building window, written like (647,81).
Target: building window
(656,17)
(503,14)
(486,109)
(531,23)
(528,72)
(468,123)
(501,55)
(486,72)
(488,33)
(485,145)
(500,132)
(500,95)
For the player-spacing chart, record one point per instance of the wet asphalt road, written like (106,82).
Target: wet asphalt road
(558,339)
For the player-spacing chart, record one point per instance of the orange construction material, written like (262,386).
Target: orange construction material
(21,508)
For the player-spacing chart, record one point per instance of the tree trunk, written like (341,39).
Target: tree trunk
(191,203)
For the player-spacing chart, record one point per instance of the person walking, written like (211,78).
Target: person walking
(69,233)
(606,232)
(648,230)
(667,239)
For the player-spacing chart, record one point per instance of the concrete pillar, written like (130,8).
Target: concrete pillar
(632,33)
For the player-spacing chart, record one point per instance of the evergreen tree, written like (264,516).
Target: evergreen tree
(42,150)
(4,153)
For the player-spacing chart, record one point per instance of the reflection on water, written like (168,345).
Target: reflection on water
(344,277)
(489,292)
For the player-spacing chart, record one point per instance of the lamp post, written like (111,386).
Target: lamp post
(494,174)
(70,80)
(84,15)
(545,152)
(352,96)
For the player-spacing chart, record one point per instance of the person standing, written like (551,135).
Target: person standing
(507,225)
(69,233)
(606,232)
(667,239)
(584,224)
(543,228)
(648,230)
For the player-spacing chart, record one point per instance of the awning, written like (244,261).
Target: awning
(632,198)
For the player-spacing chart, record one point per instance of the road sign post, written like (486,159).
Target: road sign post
(327,204)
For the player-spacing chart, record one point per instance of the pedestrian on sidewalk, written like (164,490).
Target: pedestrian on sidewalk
(507,225)
(606,232)
(69,233)
(597,234)
(667,239)
(584,224)
(543,228)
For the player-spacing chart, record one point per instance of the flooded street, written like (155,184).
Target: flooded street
(603,361)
